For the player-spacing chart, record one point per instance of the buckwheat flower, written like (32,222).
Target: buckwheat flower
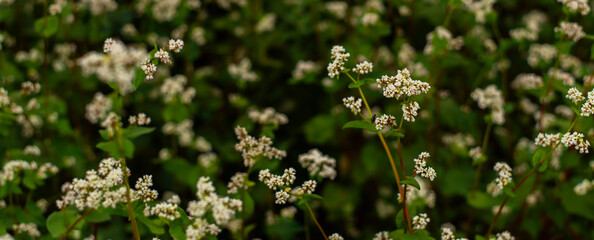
(163,56)
(29,87)
(237,182)
(26,228)
(421,169)
(268,116)
(166,210)
(490,98)
(447,234)
(410,110)
(401,84)
(352,104)
(139,120)
(571,30)
(337,8)
(288,212)
(340,56)
(271,180)
(251,148)
(281,197)
(583,187)
(480,8)
(309,186)
(107,45)
(363,68)
(420,221)
(504,236)
(383,235)
(318,164)
(176,45)
(475,153)
(143,190)
(504,172)
(242,71)
(266,23)
(335,236)
(575,140)
(56,7)
(303,68)
(566,78)
(384,121)
(575,95)
(149,69)
(527,81)
(547,139)
(98,7)
(32,150)
(581,6)
(541,53)
(4,99)
(588,107)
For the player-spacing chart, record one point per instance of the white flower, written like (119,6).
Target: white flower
(352,104)
(175,45)
(318,164)
(281,197)
(505,236)
(505,174)
(581,6)
(575,140)
(571,30)
(363,68)
(410,110)
(575,95)
(383,121)
(107,45)
(588,107)
(421,169)
(340,57)
(547,139)
(401,84)
(420,221)
(583,187)
(527,81)
(335,236)
(490,98)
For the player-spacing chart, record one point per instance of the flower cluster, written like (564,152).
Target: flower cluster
(527,81)
(547,139)
(176,45)
(505,174)
(571,30)
(421,167)
(164,210)
(352,104)
(504,236)
(581,6)
(222,209)
(420,221)
(363,68)
(107,45)
(242,71)
(149,69)
(28,228)
(318,164)
(401,84)
(588,107)
(447,234)
(173,87)
(383,235)
(340,56)
(163,56)
(442,34)
(565,77)
(480,8)
(98,189)
(384,121)
(335,236)
(575,95)
(237,182)
(183,130)
(576,141)
(491,98)
(140,120)
(303,68)
(200,228)
(583,187)
(533,21)
(538,53)
(410,110)
(267,116)
(143,190)
(252,148)
(283,184)
(13,168)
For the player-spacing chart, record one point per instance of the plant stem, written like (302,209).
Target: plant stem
(524,180)
(77,221)
(392,164)
(126,182)
(316,221)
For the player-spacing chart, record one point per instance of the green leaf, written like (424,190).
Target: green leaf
(47,26)
(394,133)
(480,200)
(58,222)
(248,205)
(176,230)
(98,216)
(114,150)
(155,226)
(138,78)
(29,179)
(592,52)
(104,134)
(479,237)
(360,124)
(411,181)
(356,84)
(537,157)
(135,131)
(508,190)
(479,160)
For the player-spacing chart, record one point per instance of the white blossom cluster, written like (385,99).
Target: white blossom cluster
(266,23)
(166,210)
(335,236)
(4,99)
(340,56)
(107,45)
(383,235)
(175,45)
(15,167)
(409,110)
(318,164)
(420,221)
(575,95)
(116,66)
(447,234)
(583,187)
(490,97)
(141,119)
(442,34)
(283,183)
(571,30)
(303,68)
(425,193)
(98,7)
(29,87)
(421,167)
(458,140)
(504,173)
(174,87)
(480,8)
(56,7)
(237,182)
(267,116)
(566,78)
(252,148)
(504,236)
(352,104)
(401,85)
(384,121)
(547,139)
(363,68)
(527,81)
(538,53)
(475,153)
(576,141)
(242,71)
(32,150)
(581,6)
(183,130)
(27,228)
(200,228)
(337,8)
(533,21)
(143,189)
(588,107)
(98,108)
(222,209)
(101,188)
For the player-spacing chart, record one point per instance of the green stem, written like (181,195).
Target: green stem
(126,182)
(77,221)
(316,221)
